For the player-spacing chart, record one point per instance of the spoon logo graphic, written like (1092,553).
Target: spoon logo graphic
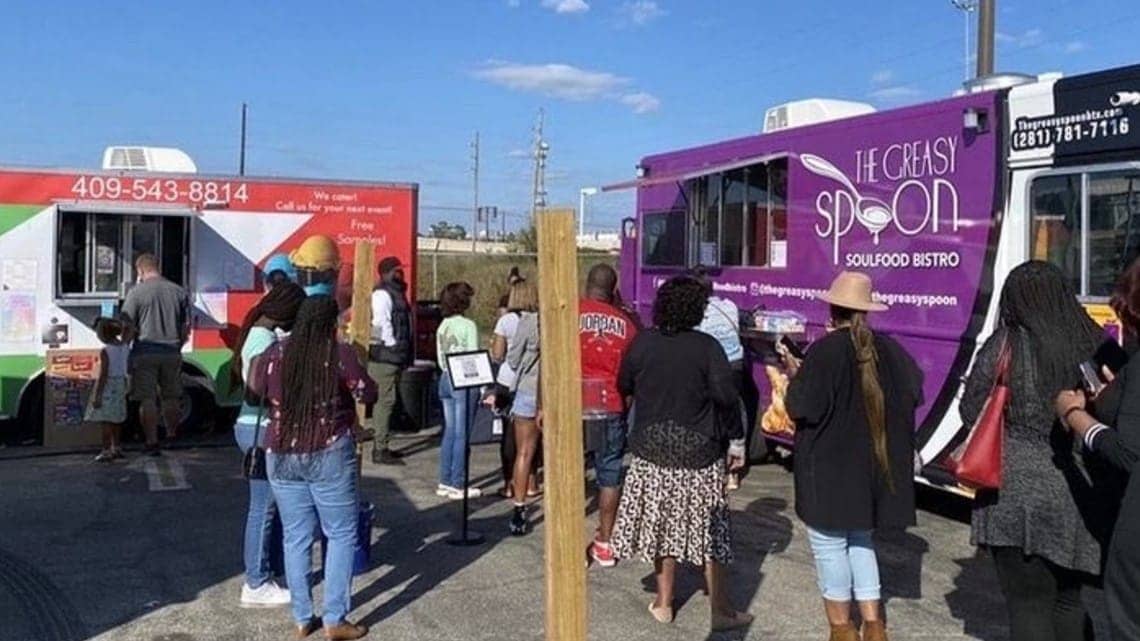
(1125,99)
(873,214)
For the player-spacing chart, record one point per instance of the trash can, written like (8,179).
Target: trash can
(362,553)
(416,395)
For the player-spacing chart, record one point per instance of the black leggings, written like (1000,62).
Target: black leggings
(1044,599)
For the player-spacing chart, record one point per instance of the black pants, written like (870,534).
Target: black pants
(1044,600)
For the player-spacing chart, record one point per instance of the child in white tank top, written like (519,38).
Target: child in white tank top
(108,403)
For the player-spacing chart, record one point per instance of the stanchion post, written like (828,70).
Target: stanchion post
(561,376)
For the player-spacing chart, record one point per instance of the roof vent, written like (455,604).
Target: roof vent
(158,159)
(810,112)
(995,81)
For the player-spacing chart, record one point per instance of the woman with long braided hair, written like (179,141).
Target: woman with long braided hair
(1046,526)
(262,549)
(313,384)
(853,400)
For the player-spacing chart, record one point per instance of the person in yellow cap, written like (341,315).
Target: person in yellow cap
(318,262)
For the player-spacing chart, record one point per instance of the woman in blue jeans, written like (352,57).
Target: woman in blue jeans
(853,400)
(313,384)
(455,334)
(262,553)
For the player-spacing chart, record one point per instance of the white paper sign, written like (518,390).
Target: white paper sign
(470,369)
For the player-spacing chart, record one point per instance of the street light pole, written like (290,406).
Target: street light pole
(582,194)
(966,7)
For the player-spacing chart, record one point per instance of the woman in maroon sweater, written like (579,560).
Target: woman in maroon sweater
(313,383)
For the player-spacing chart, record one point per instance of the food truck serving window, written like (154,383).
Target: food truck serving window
(741,216)
(663,238)
(95,250)
(1088,224)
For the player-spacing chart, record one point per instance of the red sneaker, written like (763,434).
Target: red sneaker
(603,554)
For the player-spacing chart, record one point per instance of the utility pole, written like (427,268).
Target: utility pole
(475,172)
(986,38)
(541,149)
(966,7)
(241,157)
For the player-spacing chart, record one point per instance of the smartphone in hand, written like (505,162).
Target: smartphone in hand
(792,347)
(1091,378)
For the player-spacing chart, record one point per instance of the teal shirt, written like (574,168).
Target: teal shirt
(258,340)
(455,334)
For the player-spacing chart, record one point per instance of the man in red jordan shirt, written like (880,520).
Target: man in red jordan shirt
(605,332)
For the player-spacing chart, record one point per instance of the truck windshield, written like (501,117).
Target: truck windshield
(1106,206)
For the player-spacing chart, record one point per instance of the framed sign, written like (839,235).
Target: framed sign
(470,369)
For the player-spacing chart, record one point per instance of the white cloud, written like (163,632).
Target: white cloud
(641,12)
(1075,46)
(896,93)
(518,153)
(882,77)
(566,6)
(514,4)
(641,102)
(567,82)
(1028,38)
(555,80)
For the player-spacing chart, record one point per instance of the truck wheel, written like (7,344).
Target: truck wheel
(29,424)
(197,410)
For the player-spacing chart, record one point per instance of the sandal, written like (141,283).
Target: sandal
(506,493)
(533,494)
(663,615)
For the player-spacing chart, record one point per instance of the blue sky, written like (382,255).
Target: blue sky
(394,90)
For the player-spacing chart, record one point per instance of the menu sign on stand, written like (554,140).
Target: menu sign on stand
(70,376)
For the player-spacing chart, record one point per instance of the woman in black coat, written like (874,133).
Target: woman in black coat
(1119,446)
(853,400)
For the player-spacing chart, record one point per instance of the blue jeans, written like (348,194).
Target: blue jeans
(608,459)
(263,552)
(311,489)
(845,563)
(458,407)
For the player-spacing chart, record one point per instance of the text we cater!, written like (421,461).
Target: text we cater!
(68,241)
(937,201)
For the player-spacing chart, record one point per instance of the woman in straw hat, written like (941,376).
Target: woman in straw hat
(853,400)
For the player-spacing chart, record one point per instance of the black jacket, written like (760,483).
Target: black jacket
(838,483)
(401,352)
(680,383)
(1120,448)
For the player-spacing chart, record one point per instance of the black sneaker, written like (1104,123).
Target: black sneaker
(153,451)
(519,523)
(387,457)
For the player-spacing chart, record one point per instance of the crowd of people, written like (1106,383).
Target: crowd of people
(669,397)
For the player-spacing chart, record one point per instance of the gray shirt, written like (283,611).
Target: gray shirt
(523,353)
(160,310)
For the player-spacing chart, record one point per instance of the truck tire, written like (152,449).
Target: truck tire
(29,423)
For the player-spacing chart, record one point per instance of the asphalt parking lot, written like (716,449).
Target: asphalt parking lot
(141,551)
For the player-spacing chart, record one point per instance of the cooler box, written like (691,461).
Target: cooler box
(415,393)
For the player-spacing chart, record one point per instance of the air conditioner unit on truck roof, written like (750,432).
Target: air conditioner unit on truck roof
(812,111)
(158,159)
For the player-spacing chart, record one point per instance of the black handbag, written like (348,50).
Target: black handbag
(253,465)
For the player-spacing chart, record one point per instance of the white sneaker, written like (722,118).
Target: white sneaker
(269,595)
(456,494)
(445,490)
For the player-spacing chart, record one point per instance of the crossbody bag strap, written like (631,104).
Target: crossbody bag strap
(261,405)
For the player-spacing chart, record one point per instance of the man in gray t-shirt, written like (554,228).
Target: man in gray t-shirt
(160,312)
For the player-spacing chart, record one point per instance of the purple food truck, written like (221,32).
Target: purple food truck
(937,202)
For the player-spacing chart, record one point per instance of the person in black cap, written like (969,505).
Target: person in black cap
(389,352)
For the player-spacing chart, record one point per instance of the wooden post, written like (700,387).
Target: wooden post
(360,328)
(565,500)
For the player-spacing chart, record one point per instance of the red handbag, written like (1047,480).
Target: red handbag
(977,464)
